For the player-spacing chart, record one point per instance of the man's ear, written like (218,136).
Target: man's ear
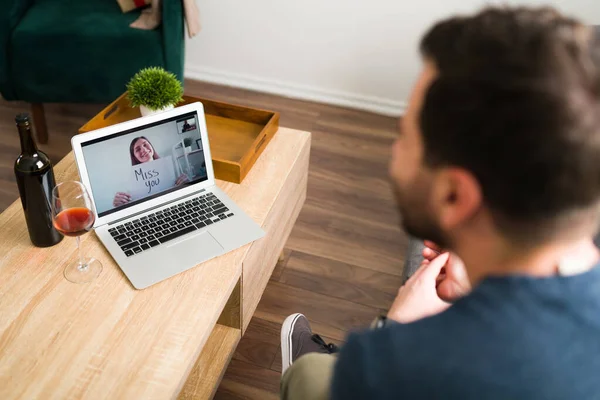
(456,195)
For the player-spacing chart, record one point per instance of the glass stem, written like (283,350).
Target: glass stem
(82,264)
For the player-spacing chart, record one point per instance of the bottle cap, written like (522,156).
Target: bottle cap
(22,118)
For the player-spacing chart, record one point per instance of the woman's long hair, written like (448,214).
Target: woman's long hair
(134,160)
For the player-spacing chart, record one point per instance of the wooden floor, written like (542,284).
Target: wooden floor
(344,257)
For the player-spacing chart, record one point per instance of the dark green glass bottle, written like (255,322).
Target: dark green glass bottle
(35,179)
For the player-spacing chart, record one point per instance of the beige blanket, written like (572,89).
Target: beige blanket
(151,17)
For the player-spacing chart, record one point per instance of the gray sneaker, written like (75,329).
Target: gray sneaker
(298,339)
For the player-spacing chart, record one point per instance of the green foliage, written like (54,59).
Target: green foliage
(154,88)
(187,142)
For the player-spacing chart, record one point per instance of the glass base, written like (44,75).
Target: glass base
(78,273)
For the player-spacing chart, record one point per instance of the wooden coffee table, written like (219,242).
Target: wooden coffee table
(107,340)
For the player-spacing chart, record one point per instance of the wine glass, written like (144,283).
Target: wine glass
(72,215)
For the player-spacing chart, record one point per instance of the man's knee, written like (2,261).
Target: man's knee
(308,378)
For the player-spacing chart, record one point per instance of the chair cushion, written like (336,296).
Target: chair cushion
(79,51)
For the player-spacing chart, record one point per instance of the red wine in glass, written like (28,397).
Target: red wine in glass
(73,215)
(74,221)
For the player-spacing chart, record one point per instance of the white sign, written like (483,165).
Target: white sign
(152,177)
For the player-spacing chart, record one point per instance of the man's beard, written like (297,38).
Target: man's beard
(416,217)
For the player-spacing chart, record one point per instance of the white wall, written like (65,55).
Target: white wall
(357,53)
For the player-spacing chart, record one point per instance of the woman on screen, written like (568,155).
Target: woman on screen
(141,151)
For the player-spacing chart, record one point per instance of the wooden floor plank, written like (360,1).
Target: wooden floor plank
(355,147)
(330,316)
(280,267)
(253,376)
(335,197)
(232,390)
(357,174)
(346,239)
(375,128)
(340,280)
(260,344)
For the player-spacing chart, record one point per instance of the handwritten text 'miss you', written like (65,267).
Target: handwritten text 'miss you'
(151,178)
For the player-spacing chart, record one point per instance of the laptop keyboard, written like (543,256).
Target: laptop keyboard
(170,223)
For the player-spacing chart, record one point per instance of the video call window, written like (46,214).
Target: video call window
(134,166)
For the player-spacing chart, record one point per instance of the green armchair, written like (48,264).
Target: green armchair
(80,51)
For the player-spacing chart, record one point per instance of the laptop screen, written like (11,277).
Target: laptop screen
(140,164)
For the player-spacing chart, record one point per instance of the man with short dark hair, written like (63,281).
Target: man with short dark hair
(498,164)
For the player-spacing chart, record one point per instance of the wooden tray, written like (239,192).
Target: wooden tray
(238,135)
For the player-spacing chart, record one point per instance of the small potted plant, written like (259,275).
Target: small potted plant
(154,90)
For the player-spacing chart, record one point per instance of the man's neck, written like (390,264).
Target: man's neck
(496,258)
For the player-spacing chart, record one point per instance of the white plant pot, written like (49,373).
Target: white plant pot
(188,149)
(145,111)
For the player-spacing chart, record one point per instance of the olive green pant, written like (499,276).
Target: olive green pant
(309,378)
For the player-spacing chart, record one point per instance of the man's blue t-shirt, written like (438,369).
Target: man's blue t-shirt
(511,338)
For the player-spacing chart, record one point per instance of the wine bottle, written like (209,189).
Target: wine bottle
(35,179)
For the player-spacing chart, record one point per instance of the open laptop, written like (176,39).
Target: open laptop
(158,210)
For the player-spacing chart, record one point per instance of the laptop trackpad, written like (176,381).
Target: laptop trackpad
(201,242)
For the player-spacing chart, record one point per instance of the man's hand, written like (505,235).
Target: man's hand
(453,282)
(418,298)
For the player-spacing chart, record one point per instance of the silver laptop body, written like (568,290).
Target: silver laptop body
(158,210)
